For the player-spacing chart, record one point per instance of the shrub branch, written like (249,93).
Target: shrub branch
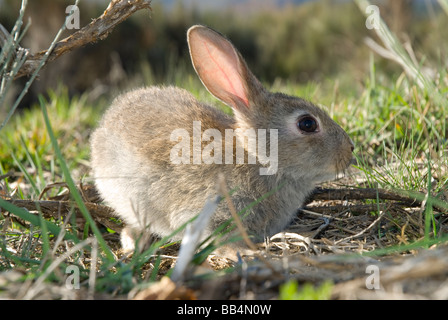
(98,29)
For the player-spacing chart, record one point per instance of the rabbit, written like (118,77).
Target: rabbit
(132,149)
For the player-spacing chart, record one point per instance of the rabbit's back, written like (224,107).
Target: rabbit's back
(145,119)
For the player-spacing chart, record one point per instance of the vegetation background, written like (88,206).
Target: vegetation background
(314,41)
(313,49)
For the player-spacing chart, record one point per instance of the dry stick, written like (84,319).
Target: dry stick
(358,208)
(98,29)
(411,199)
(321,215)
(361,194)
(364,230)
(6,175)
(224,191)
(50,208)
(51,186)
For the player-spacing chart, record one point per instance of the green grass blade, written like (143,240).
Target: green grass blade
(26,174)
(400,55)
(44,232)
(71,185)
(35,220)
(444,5)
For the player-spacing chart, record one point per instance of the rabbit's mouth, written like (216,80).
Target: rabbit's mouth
(313,175)
(335,171)
(342,165)
(330,176)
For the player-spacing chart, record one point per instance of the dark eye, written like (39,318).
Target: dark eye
(307,124)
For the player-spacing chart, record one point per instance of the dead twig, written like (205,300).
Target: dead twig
(407,198)
(354,209)
(54,209)
(98,29)
(362,231)
(361,194)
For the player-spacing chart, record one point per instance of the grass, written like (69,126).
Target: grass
(33,154)
(290,291)
(398,126)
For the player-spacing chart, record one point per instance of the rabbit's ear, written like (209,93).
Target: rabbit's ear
(220,67)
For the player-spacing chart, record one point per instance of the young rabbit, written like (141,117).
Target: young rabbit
(136,149)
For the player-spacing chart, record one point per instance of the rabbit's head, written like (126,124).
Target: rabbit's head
(310,144)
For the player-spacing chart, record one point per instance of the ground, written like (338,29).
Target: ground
(358,247)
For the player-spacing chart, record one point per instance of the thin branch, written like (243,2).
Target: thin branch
(362,194)
(54,209)
(359,234)
(328,211)
(98,29)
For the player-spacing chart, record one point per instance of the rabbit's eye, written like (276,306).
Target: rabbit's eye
(307,124)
